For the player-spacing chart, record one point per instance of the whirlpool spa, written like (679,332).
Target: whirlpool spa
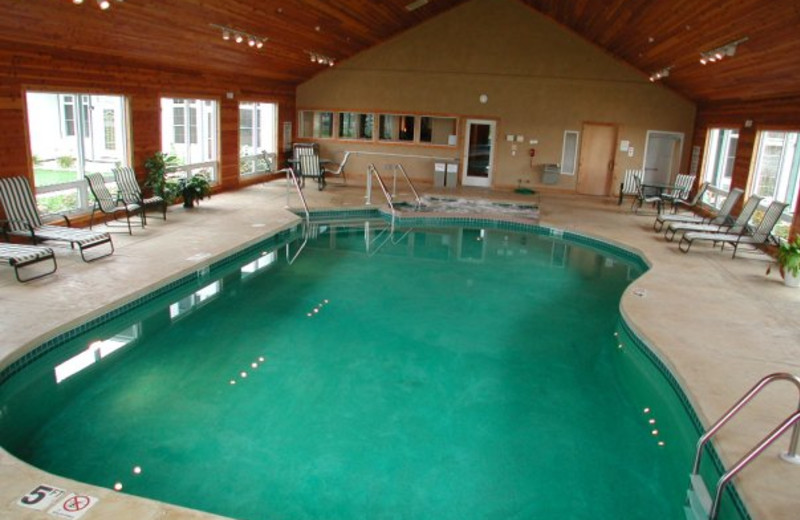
(459,369)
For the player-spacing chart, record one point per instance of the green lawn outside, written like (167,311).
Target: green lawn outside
(46,177)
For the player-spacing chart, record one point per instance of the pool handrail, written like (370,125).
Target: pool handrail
(399,166)
(371,170)
(291,178)
(790,456)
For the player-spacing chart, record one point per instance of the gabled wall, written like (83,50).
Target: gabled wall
(540,78)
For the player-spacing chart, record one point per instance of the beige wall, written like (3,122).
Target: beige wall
(540,79)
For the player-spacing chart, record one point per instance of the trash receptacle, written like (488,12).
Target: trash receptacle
(439,172)
(451,179)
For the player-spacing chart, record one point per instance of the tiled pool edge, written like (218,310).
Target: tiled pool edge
(59,339)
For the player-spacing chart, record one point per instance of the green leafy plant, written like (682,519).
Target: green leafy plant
(157,166)
(788,257)
(194,189)
(66,162)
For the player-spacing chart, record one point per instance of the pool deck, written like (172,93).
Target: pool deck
(719,324)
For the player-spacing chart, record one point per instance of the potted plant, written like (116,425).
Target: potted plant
(194,189)
(156,166)
(788,259)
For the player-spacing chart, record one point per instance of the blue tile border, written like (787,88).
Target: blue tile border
(29,357)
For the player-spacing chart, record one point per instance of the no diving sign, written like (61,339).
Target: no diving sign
(71,506)
(74,506)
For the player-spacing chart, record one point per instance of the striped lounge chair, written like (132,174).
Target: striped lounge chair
(131,193)
(628,185)
(683,186)
(23,255)
(23,220)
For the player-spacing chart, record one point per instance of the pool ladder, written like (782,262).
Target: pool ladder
(387,234)
(699,503)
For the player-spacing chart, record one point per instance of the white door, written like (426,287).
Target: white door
(478,157)
(662,156)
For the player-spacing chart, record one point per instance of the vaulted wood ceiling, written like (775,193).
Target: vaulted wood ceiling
(648,34)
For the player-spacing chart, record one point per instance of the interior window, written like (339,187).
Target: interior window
(438,130)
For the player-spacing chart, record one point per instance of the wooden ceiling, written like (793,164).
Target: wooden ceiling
(648,34)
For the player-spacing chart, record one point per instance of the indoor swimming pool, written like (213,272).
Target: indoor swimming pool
(450,372)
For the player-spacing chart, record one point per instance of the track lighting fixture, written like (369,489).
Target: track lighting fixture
(102,4)
(715,55)
(661,74)
(240,36)
(321,59)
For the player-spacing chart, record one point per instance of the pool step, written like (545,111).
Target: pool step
(698,500)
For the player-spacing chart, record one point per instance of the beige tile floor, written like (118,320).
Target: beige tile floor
(719,324)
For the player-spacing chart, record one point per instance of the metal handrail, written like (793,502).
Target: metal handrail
(789,456)
(291,178)
(399,166)
(371,170)
(792,420)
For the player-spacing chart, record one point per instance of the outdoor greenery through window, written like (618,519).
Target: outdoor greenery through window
(189,131)
(258,137)
(67,142)
(353,125)
(775,176)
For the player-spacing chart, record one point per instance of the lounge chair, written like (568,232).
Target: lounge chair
(628,184)
(131,193)
(683,185)
(721,218)
(758,236)
(23,220)
(106,203)
(643,198)
(735,227)
(691,204)
(660,220)
(24,255)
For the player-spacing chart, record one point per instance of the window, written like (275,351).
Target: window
(396,128)
(353,125)
(109,132)
(192,136)
(65,147)
(438,130)
(775,176)
(569,153)
(316,124)
(258,137)
(719,157)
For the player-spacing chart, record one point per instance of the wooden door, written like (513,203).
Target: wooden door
(596,164)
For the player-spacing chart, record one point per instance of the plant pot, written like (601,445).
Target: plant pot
(188,199)
(790,280)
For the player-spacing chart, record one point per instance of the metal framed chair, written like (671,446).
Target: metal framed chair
(23,220)
(24,255)
(307,163)
(107,204)
(628,184)
(683,186)
(131,193)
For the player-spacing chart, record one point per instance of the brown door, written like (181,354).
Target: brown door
(596,163)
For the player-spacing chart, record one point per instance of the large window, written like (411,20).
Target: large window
(189,132)
(719,157)
(775,175)
(65,146)
(258,137)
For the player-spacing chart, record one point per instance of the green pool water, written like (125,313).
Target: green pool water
(454,374)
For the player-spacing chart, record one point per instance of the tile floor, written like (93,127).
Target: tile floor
(720,324)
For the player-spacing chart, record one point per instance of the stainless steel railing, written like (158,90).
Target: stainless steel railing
(789,456)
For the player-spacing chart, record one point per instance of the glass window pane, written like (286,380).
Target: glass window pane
(569,154)
(190,134)
(258,137)
(438,130)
